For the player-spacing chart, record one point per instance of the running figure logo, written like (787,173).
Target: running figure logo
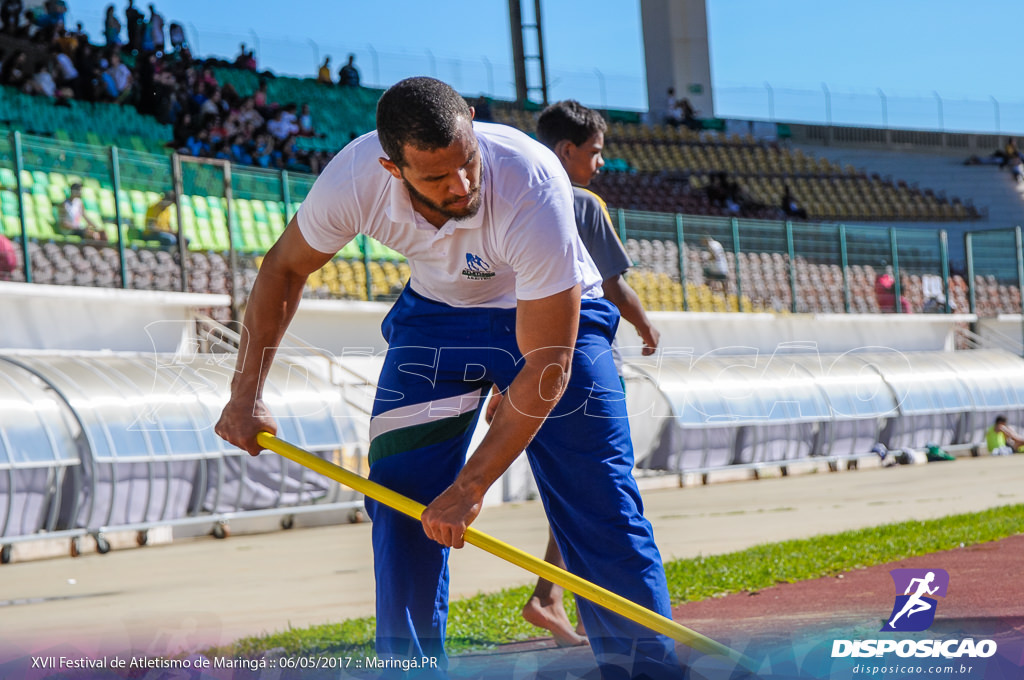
(914,610)
(476,268)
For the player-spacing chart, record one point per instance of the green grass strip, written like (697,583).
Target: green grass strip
(491,619)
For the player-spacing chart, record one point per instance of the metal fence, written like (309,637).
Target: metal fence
(230,215)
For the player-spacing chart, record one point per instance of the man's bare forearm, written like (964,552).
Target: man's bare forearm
(272,304)
(530,398)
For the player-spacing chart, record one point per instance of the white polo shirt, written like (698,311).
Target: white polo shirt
(522,244)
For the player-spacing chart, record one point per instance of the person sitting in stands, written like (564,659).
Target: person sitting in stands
(118,79)
(8,258)
(716,270)
(74,221)
(885,292)
(158,221)
(790,208)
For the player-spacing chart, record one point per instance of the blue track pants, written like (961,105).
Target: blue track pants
(440,364)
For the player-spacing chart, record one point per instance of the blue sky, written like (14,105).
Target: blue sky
(910,49)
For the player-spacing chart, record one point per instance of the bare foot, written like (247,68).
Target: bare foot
(580,630)
(551,616)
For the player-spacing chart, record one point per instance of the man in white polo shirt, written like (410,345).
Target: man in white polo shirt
(501,292)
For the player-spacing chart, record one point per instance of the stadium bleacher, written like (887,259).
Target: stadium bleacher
(670,168)
(763,282)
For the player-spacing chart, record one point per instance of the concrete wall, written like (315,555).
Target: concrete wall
(701,333)
(676,54)
(35,316)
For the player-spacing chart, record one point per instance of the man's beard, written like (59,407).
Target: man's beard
(465,213)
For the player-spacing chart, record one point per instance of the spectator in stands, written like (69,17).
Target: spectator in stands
(163,100)
(259,98)
(726,193)
(42,83)
(934,295)
(576,135)
(117,79)
(8,258)
(65,41)
(74,221)
(222,151)
(214,106)
(249,115)
(679,111)
(348,75)
(716,266)
(112,28)
(885,292)
(158,221)
(246,59)
(10,16)
(673,112)
(1008,153)
(88,85)
(198,144)
(280,127)
(789,206)
(263,151)
(240,150)
(689,114)
(482,107)
(324,74)
(153,39)
(47,19)
(15,71)
(306,122)
(177,35)
(134,22)
(65,71)
(1002,440)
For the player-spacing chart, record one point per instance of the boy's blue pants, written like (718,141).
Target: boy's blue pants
(439,367)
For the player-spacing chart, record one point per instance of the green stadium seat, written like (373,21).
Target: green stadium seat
(106,201)
(12,226)
(8,203)
(56,194)
(266,238)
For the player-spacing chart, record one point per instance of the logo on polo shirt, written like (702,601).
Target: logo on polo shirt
(476,268)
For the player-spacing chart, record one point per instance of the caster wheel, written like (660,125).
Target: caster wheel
(76,547)
(142,538)
(5,554)
(355,516)
(102,545)
(221,530)
(287,522)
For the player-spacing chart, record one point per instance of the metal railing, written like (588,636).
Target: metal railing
(238,210)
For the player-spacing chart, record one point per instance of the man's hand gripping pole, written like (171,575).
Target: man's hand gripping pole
(567,580)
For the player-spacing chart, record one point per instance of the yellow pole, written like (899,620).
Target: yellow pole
(570,582)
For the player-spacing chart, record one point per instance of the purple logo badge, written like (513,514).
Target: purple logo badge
(915,605)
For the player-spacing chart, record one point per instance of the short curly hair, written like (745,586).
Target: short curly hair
(421,112)
(568,119)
